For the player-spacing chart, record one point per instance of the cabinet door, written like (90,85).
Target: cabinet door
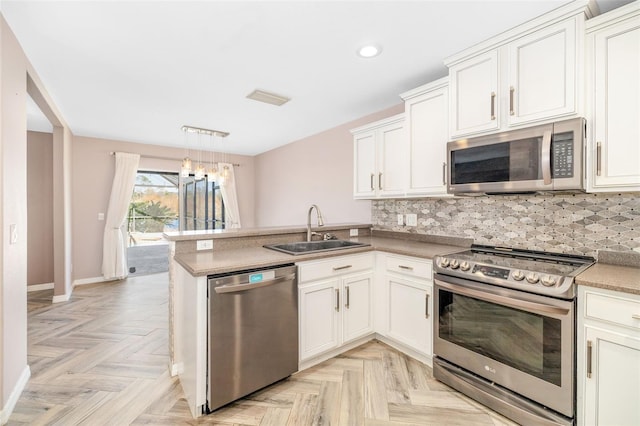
(392,169)
(319,316)
(473,86)
(357,304)
(364,176)
(613,390)
(542,74)
(615,151)
(428,135)
(410,313)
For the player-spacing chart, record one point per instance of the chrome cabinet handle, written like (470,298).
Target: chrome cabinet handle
(379,180)
(444,173)
(493,105)
(635,316)
(546,157)
(337,300)
(372,188)
(589,358)
(340,268)
(511,90)
(598,158)
(408,268)
(347,304)
(426,305)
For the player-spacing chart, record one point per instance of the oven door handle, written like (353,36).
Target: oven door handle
(546,157)
(504,300)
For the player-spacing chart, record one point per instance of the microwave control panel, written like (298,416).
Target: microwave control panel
(562,158)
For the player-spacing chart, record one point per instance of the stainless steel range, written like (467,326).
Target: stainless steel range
(506,330)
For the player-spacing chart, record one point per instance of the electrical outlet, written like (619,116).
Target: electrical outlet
(204,245)
(100,216)
(353,232)
(401,219)
(412,219)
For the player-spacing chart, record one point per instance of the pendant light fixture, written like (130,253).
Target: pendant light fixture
(199,172)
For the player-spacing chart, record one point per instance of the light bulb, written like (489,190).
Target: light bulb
(186,167)
(199,173)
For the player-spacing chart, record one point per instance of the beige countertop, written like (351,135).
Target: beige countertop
(611,277)
(254,232)
(223,261)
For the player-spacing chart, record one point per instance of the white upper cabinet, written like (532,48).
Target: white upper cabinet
(542,74)
(529,74)
(613,100)
(426,126)
(380,155)
(474,87)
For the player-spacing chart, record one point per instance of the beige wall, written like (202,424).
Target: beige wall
(315,170)
(13,278)
(93,169)
(39,208)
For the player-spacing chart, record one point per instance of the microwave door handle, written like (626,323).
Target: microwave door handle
(546,157)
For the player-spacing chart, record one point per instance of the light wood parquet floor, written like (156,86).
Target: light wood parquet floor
(102,359)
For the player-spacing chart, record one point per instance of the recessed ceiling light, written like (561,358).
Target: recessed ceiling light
(369,51)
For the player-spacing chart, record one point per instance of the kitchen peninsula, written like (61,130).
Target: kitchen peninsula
(404,259)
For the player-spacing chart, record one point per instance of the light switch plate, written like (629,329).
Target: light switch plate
(13,234)
(412,219)
(400,219)
(204,245)
(100,216)
(353,232)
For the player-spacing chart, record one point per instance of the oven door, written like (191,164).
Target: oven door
(520,341)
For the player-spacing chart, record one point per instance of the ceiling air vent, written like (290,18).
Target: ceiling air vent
(268,98)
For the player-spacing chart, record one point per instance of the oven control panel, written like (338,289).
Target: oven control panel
(509,277)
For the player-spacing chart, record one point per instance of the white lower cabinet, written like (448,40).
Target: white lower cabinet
(406,305)
(608,358)
(336,301)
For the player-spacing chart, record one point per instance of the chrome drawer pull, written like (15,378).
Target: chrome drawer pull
(493,106)
(408,268)
(426,306)
(339,268)
(598,159)
(337,300)
(636,316)
(347,304)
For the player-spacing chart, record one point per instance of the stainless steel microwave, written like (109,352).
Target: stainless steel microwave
(548,157)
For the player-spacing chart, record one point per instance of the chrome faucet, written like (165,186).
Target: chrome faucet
(320,221)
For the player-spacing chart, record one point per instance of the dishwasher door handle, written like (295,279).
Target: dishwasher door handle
(233,288)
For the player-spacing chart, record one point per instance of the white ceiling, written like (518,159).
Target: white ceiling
(137,71)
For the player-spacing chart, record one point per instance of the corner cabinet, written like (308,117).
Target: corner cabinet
(335,303)
(379,152)
(426,121)
(608,357)
(407,314)
(528,75)
(613,100)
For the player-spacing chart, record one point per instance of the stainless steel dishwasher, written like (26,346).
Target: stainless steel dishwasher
(253,331)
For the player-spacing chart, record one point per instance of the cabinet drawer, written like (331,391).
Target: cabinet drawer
(409,266)
(320,269)
(619,310)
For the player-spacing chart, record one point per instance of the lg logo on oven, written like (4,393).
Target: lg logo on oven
(489,369)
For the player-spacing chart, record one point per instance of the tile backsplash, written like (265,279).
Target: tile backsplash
(560,222)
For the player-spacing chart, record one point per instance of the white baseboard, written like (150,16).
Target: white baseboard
(61,298)
(6,411)
(38,287)
(176,368)
(84,281)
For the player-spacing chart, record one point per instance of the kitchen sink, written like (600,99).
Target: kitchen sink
(304,247)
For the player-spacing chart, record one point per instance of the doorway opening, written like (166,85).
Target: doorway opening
(154,209)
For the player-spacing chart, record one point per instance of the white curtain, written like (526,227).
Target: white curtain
(114,250)
(230,197)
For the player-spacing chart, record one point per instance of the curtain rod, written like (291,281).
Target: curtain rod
(155,157)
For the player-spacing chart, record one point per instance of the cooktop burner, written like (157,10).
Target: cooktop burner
(533,271)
